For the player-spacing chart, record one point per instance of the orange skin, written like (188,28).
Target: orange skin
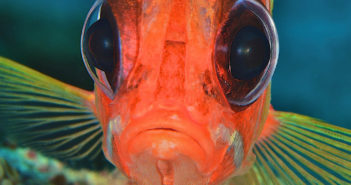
(174,122)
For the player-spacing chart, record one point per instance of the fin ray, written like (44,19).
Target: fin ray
(317,154)
(46,114)
(302,150)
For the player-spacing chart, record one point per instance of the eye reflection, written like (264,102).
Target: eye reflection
(99,46)
(249,53)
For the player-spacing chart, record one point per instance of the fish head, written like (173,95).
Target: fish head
(172,109)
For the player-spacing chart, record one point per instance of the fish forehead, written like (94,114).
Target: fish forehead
(144,25)
(169,43)
(206,13)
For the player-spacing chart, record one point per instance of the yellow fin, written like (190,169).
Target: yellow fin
(46,114)
(302,150)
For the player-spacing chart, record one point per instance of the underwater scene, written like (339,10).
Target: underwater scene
(50,131)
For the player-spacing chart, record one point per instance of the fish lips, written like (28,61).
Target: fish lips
(166,135)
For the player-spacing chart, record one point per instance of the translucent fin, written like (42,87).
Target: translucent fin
(47,115)
(302,150)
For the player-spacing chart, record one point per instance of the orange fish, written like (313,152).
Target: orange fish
(182,97)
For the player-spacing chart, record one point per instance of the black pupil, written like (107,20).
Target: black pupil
(249,53)
(100,45)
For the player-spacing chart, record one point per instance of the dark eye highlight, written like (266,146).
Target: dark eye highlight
(99,45)
(246,52)
(101,48)
(249,53)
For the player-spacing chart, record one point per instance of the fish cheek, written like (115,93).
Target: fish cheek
(265,110)
(245,124)
(101,103)
(102,111)
(111,124)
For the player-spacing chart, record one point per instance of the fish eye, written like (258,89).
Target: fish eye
(101,48)
(246,52)
(249,53)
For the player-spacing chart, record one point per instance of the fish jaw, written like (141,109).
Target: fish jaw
(166,137)
(156,126)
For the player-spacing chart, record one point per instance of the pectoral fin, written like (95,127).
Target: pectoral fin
(302,150)
(46,114)
(295,149)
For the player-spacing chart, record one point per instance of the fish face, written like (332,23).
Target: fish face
(181,98)
(172,108)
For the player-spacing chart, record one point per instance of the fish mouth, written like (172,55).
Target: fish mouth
(166,136)
(162,128)
(165,143)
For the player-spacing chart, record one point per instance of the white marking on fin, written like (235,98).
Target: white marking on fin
(235,141)
(223,134)
(109,142)
(237,144)
(114,127)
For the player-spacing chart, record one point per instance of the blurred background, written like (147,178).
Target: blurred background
(313,76)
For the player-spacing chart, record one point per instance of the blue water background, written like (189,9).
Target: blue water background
(313,76)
